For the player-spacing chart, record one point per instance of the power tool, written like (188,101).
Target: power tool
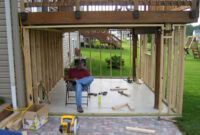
(69,124)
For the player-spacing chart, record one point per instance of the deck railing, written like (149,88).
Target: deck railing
(107,5)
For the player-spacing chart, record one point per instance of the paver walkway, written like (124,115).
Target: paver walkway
(110,126)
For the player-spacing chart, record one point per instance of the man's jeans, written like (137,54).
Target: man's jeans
(82,84)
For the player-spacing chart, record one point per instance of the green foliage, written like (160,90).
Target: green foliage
(115,62)
(97,44)
(189,30)
(149,38)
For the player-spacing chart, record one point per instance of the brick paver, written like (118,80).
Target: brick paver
(110,126)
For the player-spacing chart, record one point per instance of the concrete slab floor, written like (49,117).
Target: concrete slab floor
(142,99)
(110,126)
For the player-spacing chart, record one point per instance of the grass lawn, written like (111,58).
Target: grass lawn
(106,54)
(190,122)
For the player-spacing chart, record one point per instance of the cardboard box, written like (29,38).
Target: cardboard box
(35,117)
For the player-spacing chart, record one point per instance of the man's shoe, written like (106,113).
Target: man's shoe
(80,109)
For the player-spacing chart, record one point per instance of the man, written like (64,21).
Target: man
(82,78)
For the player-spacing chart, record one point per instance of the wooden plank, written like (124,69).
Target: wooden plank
(90,56)
(110,41)
(141,56)
(69,40)
(175,69)
(131,108)
(60,57)
(130,60)
(27,60)
(112,17)
(34,65)
(4,123)
(141,130)
(153,48)
(42,56)
(38,60)
(118,89)
(100,59)
(181,77)
(121,54)
(125,94)
(158,62)
(46,60)
(135,39)
(117,107)
(164,68)
(57,53)
(50,59)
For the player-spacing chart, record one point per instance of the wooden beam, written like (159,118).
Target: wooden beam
(112,17)
(135,39)
(148,30)
(107,3)
(158,62)
(27,61)
(34,65)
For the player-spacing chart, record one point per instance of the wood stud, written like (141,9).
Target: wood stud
(46,61)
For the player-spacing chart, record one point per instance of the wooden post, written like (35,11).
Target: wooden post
(27,61)
(158,63)
(121,54)
(34,64)
(181,77)
(110,40)
(90,56)
(22,8)
(100,60)
(130,56)
(69,40)
(135,39)
(38,60)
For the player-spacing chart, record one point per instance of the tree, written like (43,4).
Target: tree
(189,30)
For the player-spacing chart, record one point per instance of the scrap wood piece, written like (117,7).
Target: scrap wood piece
(141,130)
(125,94)
(15,126)
(118,89)
(119,106)
(6,120)
(130,107)
(169,120)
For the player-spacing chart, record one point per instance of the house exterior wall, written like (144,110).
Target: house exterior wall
(74,43)
(4,63)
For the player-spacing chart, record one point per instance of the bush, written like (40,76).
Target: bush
(97,44)
(115,62)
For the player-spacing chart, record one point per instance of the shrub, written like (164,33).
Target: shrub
(115,62)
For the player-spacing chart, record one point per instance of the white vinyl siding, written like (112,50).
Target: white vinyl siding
(4,66)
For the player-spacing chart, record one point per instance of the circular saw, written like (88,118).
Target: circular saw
(69,125)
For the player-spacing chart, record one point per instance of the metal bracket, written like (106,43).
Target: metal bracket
(193,14)
(136,14)
(77,14)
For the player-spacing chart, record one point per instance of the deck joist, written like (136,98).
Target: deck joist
(112,17)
